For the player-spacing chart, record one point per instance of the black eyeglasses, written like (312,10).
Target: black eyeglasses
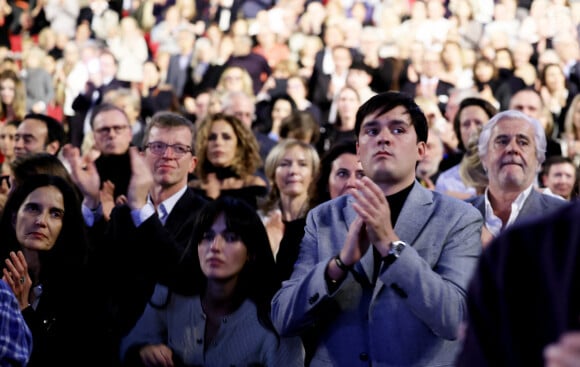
(107,129)
(159,148)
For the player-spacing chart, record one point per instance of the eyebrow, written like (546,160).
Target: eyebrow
(395,122)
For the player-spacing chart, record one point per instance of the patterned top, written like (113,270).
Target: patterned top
(15,336)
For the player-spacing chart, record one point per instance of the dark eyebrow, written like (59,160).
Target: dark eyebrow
(395,122)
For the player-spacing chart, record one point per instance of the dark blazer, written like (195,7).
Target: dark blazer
(176,76)
(525,292)
(536,204)
(128,261)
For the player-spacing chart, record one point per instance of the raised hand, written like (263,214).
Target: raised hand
(141,180)
(16,276)
(373,208)
(84,174)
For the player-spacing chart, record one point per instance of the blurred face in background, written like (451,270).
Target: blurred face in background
(344,172)
(7,91)
(294,173)
(222,145)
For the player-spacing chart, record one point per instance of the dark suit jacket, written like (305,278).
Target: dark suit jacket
(128,261)
(536,204)
(525,292)
(176,76)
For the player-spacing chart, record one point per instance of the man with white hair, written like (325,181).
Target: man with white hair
(512,148)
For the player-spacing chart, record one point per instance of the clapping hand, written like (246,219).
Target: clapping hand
(84,174)
(16,276)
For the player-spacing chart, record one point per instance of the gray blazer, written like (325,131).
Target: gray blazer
(411,316)
(535,205)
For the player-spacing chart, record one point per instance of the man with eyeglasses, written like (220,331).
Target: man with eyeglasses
(145,240)
(112,136)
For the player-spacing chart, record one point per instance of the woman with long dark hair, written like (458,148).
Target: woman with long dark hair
(223,319)
(44,249)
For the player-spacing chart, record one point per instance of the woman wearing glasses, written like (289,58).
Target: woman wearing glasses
(228,158)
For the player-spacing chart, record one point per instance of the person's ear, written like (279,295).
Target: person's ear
(52,147)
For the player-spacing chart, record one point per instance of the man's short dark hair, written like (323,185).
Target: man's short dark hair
(553,160)
(386,101)
(169,120)
(53,126)
(104,107)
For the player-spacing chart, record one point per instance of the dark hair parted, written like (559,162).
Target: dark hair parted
(386,101)
(169,120)
(487,107)
(68,255)
(247,158)
(257,281)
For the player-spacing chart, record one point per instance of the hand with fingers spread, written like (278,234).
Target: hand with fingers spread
(84,174)
(141,180)
(372,206)
(565,352)
(159,355)
(16,275)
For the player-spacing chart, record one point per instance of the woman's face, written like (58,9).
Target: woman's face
(347,104)
(7,140)
(471,120)
(344,172)
(295,89)
(281,109)
(554,78)
(222,254)
(483,72)
(222,144)
(294,173)
(7,91)
(233,80)
(39,219)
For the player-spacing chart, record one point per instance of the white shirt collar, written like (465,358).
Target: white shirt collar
(167,205)
(493,222)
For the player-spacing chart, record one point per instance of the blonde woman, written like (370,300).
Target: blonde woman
(290,168)
(235,79)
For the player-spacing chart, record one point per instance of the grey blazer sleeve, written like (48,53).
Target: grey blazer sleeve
(429,279)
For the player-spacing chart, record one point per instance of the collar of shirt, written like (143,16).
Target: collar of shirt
(493,222)
(167,205)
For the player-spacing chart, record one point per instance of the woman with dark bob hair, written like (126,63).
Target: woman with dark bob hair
(44,248)
(340,168)
(223,319)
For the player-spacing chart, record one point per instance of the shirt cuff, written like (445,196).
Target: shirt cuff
(91,215)
(141,215)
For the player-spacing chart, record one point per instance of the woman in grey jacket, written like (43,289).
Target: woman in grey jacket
(223,320)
